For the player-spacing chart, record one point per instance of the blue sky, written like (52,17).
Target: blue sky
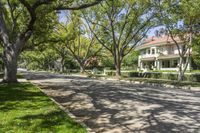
(151,32)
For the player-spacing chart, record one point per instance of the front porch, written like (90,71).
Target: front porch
(168,64)
(147,64)
(159,64)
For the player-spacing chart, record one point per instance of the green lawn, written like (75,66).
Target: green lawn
(25,109)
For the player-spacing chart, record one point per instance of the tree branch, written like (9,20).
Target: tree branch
(78,7)
(100,41)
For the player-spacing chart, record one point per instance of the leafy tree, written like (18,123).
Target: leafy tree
(17,24)
(78,41)
(106,60)
(196,52)
(131,60)
(119,25)
(60,49)
(39,59)
(181,21)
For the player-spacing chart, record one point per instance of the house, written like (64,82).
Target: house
(159,53)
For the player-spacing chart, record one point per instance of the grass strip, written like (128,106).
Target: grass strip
(25,109)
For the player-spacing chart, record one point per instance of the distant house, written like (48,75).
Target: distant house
(159,53)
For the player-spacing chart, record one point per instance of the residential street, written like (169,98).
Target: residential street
(119,107)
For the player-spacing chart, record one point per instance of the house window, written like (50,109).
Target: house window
(149,51)
(144,52)
(174,63)
(153,51)
(171,50)
(165,64)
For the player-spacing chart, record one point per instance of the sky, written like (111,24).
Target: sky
(151,32)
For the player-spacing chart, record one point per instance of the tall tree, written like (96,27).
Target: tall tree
(119,26)
(39,59)
(17,23)
(181,21)
(75,36)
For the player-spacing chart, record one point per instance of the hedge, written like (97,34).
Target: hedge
(194,77)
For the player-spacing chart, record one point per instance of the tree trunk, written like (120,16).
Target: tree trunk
(10,66)
(117,62)
(180,76)
(82,69)
(62,68)
(62,65)
(81,65)
(118,69)
(181,70)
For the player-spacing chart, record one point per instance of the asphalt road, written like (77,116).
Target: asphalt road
(119,107)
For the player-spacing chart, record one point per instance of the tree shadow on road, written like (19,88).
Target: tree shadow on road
(123,107)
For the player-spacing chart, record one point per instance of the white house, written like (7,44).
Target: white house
(159,53)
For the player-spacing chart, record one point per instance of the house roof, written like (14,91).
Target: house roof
(157,41)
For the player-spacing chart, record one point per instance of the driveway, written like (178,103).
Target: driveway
(119,107)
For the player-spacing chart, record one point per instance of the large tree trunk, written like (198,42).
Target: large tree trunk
(10,65)
(118,66)
(118,69)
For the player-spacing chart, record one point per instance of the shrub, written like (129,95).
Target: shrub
(194,77)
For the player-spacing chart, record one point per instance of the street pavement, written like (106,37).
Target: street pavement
(119,107)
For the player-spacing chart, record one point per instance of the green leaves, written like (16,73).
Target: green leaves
(196,51)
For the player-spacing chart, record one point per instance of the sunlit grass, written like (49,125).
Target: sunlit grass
(25,109)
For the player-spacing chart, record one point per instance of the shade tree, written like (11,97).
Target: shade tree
(120,25)
(17,24)
(77,40)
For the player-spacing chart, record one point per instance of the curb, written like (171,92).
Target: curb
(89,130)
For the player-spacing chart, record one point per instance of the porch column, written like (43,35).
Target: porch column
(141,65)
(159,64)
(155,65)
(189,64)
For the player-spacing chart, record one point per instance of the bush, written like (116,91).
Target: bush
(110,72)
(194,77)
